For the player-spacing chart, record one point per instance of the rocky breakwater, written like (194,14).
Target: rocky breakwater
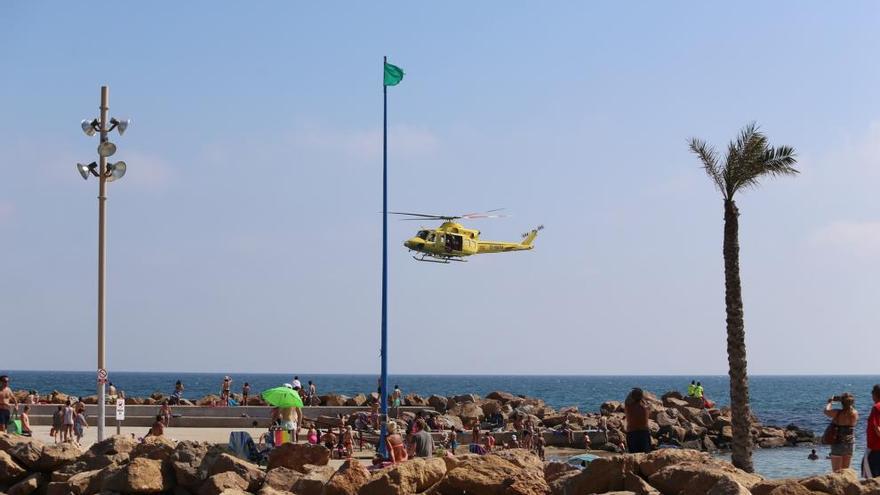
(119,465)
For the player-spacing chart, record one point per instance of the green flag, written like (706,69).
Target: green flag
(393,74)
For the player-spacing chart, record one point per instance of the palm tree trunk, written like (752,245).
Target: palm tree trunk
(736,343)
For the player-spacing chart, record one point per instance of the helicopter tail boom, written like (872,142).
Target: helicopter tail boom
(529,237)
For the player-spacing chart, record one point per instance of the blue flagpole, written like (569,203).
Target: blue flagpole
(383,393)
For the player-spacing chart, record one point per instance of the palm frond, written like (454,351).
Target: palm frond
(709,157)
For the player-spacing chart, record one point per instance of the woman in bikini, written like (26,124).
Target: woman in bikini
(396,448)
(844,419)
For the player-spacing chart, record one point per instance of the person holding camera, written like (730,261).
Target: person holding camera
(843,421)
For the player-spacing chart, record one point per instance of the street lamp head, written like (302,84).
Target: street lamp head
(106,149)
(88,127)
(121,125)
(85,170)
(115,171)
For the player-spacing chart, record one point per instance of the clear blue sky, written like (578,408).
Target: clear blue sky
(246,235)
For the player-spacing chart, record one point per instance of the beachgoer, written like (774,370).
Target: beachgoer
(872,456)
(177,395)
(452,439)
(32,397)
(813,455)
(313,394)
(514,443)
(374,414)
(422,444)
(638,436)
(588,444)
(475,434)
(158,428)
(165,412)
(224,391)
(312,435)
(296,383)
(58,424)
(539,445)
(245,392)
(111,392)
(79,424)
(692,389)
(8,402)
(395,400)
(490,442)
(288,422)
(698,391)
(844,420)
(69,416)
(329,439)
(528,431)
(26,421)
(394,443)
(348,442)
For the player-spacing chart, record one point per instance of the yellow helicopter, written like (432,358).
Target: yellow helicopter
(452,242)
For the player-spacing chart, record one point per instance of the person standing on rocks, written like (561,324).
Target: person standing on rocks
(224,390)
(422,444)
(872,456)
(395,401)
(8,402)
(844,420)
(638,436)
(245,392)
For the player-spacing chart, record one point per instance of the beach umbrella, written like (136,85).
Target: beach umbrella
(582,460)
(282,397)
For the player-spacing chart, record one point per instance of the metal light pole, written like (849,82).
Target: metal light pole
(105,173)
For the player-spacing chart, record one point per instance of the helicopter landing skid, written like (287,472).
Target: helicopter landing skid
(433,259)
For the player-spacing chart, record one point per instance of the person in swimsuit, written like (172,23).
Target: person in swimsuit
(158,428)
(844,419)
(394,442)
(224,391)
(348,442)
(329,439)
(312,435)
(67,428)
(395,400)
(245,392)
(8,402)
(638,435)
(165,412)
(79,424)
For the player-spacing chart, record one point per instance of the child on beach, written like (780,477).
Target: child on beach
(348,442)
(58,425)
(165,412)
(452,439)
(312,435)
(158,428)
(79,425)
(26,422)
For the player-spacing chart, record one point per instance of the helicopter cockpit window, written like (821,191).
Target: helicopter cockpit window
(431,237)
(423,234)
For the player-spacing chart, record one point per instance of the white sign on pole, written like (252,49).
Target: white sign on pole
(120,409)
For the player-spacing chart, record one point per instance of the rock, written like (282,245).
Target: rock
(522,458)
(437,402)
(312,483)
(466,398)
(9,469)
(667,418)
(207,400)
(282,478)
(84,483)
(350,477)
(57,397)
(694,402)
(159,448)
(490,406)
(470,413)
(453,421)
(659,459)
(333,400)
(503,397)
(221,482)
(675,394)
(414,400)
(249,472)
(490,474)
(413,476)
(600,476)
(268,490)
(554,469)
(698,478)
(295,456)
(611,406)
(727,486)
(793,489)
(57,455)
(27,485)
(845,482)
(192,461)
(675,402)
(359,400)
(90,400)
(772,442)
(138,476)
(635,484)
(117,444)
(26,451)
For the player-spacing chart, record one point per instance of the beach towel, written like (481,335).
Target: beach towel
(280,437)
(241,444)
(476,448)
(14,427)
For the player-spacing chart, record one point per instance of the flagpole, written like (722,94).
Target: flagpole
(383,393)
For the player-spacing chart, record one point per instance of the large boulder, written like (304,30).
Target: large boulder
(282,479)
(10,471)
(350,477)
(415,400)
(698,478)
(466,398)
(491,406)
(602,475)
(192,461)
(357,401)
(84,483)
(295,456)
(649,464)
(555,469)
(453,421)
(470,413)
(26,451)
(159,448)
(138,476)
(490,475)
(27,485)
(333,400)
(250,472)
(503,397)
(438,402)
(522,458)
(611,406)
(117,444)
(56,456)
(312,483)
(845,482)
(223,483)
(413,476)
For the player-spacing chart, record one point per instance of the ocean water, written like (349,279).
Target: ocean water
(776,400)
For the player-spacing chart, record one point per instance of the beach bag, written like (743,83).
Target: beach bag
(14,426)
(830,436)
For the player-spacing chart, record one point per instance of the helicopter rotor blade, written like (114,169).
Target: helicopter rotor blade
(422,215)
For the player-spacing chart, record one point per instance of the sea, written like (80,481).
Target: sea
(776,400)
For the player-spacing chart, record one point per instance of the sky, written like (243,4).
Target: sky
(246,235)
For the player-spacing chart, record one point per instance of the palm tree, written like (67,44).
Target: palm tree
(749,158)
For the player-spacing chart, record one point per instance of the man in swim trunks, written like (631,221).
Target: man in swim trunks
(8,402)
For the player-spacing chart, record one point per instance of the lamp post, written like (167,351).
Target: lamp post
(105,172)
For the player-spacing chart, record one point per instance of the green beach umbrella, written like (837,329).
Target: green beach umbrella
(282,397)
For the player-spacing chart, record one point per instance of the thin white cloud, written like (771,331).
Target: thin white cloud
(856,238)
